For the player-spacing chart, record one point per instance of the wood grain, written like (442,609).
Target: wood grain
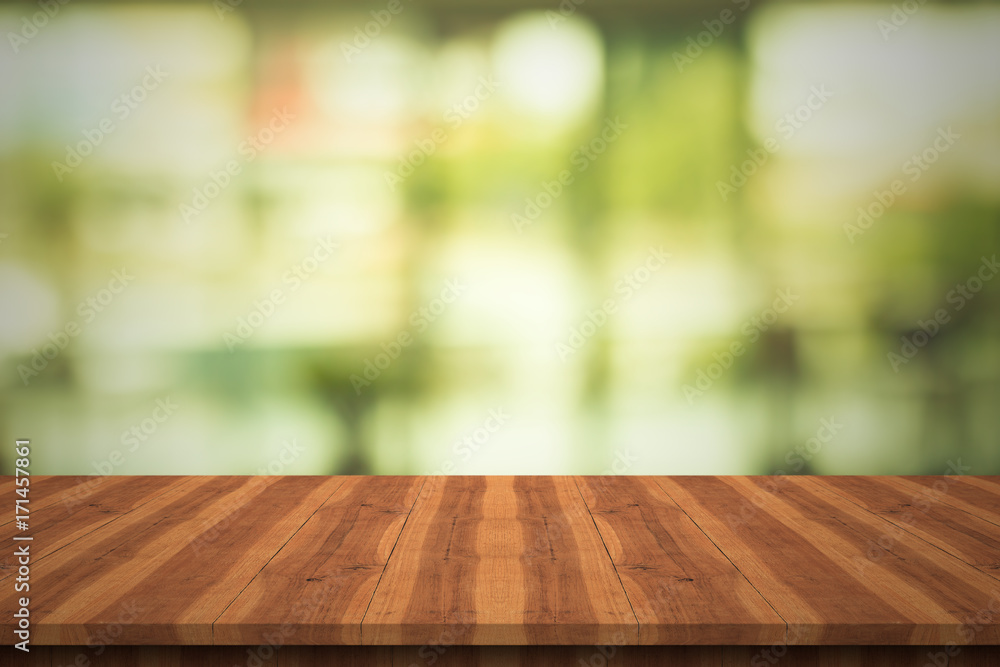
(682,588)
(58,524)
(806,552)
(500,560)
(164,572)
(48,490)
(281,565)
(963,535)
(979,496)
(317,588)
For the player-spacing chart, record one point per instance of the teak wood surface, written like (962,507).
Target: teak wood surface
(517,561)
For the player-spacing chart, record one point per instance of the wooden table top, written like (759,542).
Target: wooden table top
(508,560)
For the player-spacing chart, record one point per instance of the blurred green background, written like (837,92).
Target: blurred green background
(505,237)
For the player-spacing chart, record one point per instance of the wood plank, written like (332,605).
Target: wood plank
(979,496)
(54,526)
(317,588)
(86,488)
(682,588)
(166,571)
(805,552)
(499,560)
(48,490)
(513,561)
(963,535)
